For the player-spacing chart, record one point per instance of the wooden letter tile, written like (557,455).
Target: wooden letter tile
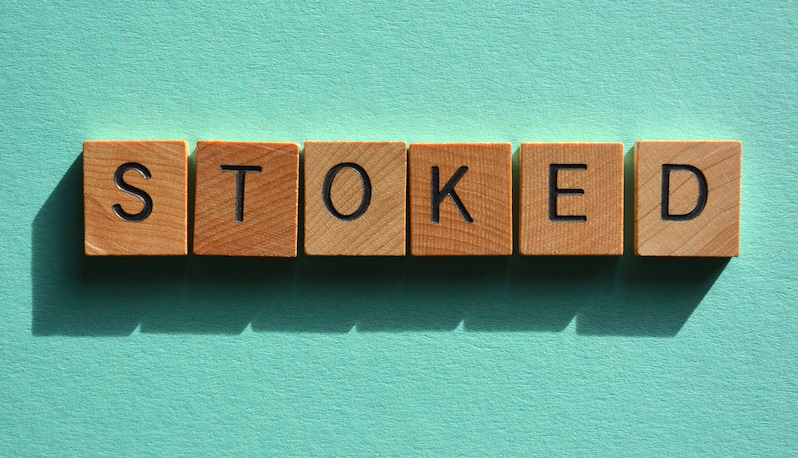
(135,197)
(571,199)
(355,194)
(246,199)
(461,199)
(687,198)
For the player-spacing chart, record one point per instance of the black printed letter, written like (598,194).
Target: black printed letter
(554,191)
(703,192)
(448,190)
(364,202)
(133,191)
(241,170)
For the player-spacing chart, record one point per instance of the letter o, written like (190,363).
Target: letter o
(365,200)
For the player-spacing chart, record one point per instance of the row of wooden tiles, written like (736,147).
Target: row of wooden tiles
(687,198)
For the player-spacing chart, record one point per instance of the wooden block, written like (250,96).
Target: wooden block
(355,194)
(247,196)
(461,199)
(688,198)
(571,199)
(135,197)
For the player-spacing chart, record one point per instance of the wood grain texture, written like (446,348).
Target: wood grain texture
(266,224)
(165,230)
(380,230)
(715,232)
(485,191)
(600,203)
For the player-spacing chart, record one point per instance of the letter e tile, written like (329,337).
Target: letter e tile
(571,199)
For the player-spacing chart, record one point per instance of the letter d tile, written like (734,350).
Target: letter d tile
(687,198)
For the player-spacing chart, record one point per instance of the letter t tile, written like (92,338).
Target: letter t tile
(246,199)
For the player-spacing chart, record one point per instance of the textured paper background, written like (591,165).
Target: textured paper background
(395,356)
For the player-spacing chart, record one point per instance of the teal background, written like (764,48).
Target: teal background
(409,356)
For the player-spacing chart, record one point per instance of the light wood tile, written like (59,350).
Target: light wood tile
(355,198)
(475,218)
(135,197)
(571,200)
(687,198)
(246,199)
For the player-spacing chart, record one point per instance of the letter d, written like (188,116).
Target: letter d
(703,192)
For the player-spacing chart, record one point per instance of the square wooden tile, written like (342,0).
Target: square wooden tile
(571,199)
(355,198)
(135,197)
(247,196)
(687,198)
(461,199)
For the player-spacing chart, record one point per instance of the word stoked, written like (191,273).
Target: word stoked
(458,197)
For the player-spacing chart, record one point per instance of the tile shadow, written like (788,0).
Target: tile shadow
(647,296)
(76,295)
